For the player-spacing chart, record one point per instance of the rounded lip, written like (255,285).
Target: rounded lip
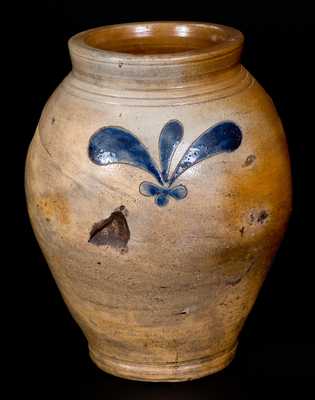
(79,47)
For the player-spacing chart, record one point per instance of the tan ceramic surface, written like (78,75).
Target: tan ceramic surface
(171,305)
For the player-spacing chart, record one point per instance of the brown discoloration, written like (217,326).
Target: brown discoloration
(242,231)
(54,207)
(249,160)
(112,231)
(53,120)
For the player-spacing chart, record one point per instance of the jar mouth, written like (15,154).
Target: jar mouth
(157,41)
(154,56)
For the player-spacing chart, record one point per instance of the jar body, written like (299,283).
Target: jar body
(168,301)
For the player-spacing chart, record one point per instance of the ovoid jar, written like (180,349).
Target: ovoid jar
(158,186)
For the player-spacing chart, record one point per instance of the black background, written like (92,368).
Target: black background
(278,337)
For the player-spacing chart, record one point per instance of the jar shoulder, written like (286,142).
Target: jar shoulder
(73,116)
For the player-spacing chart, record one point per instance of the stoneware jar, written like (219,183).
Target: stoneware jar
(158,186)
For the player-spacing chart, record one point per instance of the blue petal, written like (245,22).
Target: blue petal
(223,137)
(178,192)
(161,200)
(149,189)
(112,145)
(171,136)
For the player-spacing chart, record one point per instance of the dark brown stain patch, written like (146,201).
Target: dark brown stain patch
(242,230)
(53,120)
(249,160)
(112,231)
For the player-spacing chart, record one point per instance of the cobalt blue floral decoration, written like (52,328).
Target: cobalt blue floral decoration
(112,145)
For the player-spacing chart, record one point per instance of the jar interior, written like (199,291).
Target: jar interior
(156,38)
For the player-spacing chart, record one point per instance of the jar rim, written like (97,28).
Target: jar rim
(158,42)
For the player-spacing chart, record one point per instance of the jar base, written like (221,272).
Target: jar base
(168,372)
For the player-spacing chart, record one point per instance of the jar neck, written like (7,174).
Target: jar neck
(153,56)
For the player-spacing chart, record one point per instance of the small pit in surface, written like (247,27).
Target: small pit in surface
(249,160)
(259,217)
